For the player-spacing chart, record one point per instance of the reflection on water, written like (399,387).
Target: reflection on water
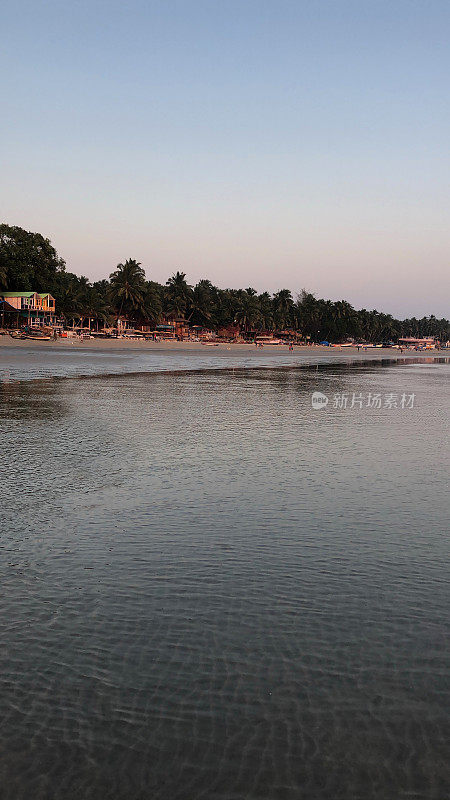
(47,360)
(30,400)
(211,590)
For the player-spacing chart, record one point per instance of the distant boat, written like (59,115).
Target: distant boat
(268,340)
(37,337)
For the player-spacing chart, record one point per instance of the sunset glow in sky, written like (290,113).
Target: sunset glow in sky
(266,144)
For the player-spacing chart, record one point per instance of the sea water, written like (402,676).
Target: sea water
(211,589)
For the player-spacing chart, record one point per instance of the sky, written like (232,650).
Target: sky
(268,144)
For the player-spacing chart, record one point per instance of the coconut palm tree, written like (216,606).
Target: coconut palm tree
(266,310)
(282,308)
(307,313)
(152,306)
(178,294)
(202,303)
(248,315)
(127,286)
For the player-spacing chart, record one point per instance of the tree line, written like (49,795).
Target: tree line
(29,262)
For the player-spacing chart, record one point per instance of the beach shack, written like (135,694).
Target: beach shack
(176,328)
(34,309)
(427,342)
(201,333)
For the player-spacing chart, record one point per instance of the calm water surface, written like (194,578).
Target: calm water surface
(31,360)
(210,590)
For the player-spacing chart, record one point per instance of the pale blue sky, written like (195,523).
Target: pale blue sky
(267,144)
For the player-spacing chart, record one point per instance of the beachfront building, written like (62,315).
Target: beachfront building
(176,328)
(410,341)
(124,325)
(202,333)
(32,308)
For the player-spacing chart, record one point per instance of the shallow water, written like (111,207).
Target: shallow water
(28,361)
(211,590)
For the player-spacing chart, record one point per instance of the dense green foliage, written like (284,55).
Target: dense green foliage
(29,262)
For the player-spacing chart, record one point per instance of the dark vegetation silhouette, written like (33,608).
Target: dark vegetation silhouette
(28,262)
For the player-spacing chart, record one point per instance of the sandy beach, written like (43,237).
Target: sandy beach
(191,348)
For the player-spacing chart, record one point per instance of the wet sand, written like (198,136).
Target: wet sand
(27,359)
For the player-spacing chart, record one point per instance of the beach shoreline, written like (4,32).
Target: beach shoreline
(26,359)
(191,348)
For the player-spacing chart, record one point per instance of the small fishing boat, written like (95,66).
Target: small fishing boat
(36,337)
(268,340)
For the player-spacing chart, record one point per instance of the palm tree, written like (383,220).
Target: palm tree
(202,302)
(248,314)
(127,286)
(282,307)
(178,294)
(307,312)
(266,310)
(68,295)
(152,307)
(344,318)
